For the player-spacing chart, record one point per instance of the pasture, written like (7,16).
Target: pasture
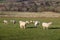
(12,31)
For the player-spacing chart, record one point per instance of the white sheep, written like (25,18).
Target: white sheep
(32,21)
(5,21)
(27,22)
(46,25)
(22,24)
(36,23)
(13,21)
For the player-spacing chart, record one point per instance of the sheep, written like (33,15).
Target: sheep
(46,25)
(32,21)
(27,22)
(5,21)
(13,21)
(36,23)
(22,24)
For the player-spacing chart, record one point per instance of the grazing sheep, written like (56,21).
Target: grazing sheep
(46,25)
(13,21)
(32,21)
(5,21)
(36,23)
(27,22)
(22,24)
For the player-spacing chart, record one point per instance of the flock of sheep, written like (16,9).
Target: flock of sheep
(23,24)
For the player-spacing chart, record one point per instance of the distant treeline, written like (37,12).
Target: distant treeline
(31,6)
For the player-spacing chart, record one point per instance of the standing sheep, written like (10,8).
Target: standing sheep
(5,21)
(36,23)
(31,21)
(46,25)
(22,24)
(27,22)
(13,21)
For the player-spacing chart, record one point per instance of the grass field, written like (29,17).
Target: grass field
(13,32)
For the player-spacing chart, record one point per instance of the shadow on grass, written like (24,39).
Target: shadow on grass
(54,28)
(31,27)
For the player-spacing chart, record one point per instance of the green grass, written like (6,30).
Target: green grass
(13,32)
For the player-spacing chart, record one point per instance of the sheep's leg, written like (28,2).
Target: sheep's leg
(21,26)
(44,28)
(24,27)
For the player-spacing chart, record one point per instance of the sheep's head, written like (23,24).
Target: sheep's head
(31,21)
(27,22)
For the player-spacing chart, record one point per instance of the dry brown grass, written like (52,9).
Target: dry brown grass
(30,14)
